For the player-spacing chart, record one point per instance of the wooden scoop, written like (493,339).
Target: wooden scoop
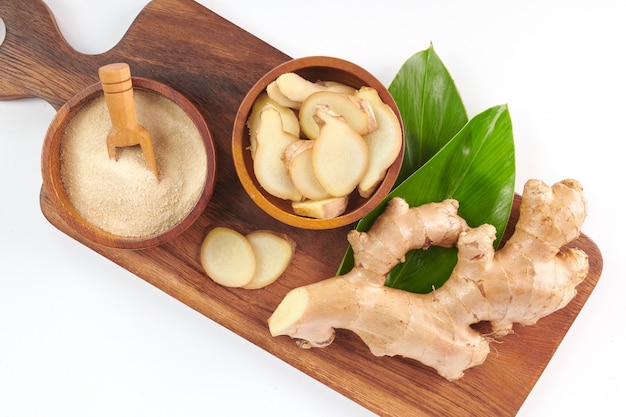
(126,131)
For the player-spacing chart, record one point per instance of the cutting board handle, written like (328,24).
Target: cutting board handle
(35,59)
(176,42)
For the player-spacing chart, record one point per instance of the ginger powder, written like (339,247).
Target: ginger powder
(124,197)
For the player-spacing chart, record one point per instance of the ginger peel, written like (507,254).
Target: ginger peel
(530,277)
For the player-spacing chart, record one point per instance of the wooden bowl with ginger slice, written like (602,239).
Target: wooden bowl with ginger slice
(314,102)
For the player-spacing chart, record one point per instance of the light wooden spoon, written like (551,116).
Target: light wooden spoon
(126,130)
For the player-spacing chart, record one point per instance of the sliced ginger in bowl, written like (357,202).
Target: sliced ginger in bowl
(269,168)
(358,113)
(340,154)
(383,143)
(297,88)
(298,157)
(289,119)
(345,140)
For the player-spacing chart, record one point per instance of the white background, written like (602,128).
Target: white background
(80,336)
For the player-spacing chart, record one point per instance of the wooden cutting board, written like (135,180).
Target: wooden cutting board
(214,63)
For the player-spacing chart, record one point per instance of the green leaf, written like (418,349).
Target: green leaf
(431,108)
(477,168)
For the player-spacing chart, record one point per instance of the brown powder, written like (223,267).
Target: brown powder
(124,197)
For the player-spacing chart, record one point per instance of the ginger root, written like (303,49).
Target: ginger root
(530,277)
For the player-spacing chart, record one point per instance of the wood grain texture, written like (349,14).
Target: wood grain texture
(214,63)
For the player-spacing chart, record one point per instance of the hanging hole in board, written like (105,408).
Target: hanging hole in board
(3,31)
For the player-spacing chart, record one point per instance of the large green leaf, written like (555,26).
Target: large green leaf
(431,108)
(477,168)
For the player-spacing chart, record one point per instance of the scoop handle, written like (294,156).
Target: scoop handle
(117,86)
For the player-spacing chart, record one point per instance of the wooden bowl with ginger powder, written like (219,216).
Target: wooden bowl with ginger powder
(121,203)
